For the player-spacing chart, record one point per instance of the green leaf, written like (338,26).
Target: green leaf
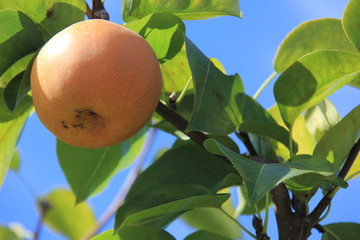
(311,79)
(8,234)
(163,31)
(308,37)
(214,221)
(15,161)
(351,22)
(51,16)
(88,171)
(144,233)
(205,235)
(320,118)
(64,217)
(9,134)
(17,30)
(337,142)
(260,178)
(107,235)
(341,231)
(158,206)
(354,170)
(300,134)
(186,10)
(22,108)
(245,208)
(174,168)
(218,97)
(18,67)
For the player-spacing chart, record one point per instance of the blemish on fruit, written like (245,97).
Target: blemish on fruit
(64,125)
(49,13)
(87,118)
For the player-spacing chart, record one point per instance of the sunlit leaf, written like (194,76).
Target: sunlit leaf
(17,29)
(187,10)
(354,170)
(64,217)
(218,97)
(214,220)
(51,16)
(351,22)
(158,206)
(88,171)
(320,118)
(310,36)
(107,235)
(8,234)
(341,231)
(15,161)
(260,178)
(140,232)
(174,168)
(9,134)
(205,235)
(337,142)
(164,32)
(311,79)
(245,208)
(300,134)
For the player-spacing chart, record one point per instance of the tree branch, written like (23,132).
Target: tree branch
(325,201)
(244,137)
(98,11)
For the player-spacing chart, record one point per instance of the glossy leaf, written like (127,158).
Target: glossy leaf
(311,79)
(351,22)
(341,231)
(17,29)
(186,10)
(205,235)
(308,37)
(321,118)
(164,32)
(8,234)
(15,161)
(218,97)
(51,16)
(174,168)
(9,134)
(260,178)
(158,206)
(64,217)
(337,142)
(88,171)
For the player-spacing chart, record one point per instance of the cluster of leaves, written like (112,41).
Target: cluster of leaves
(306,151)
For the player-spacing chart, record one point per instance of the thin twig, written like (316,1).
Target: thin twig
(121,195)
(98,11)
(244,137)
(44,206)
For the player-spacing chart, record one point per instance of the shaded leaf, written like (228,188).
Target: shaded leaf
(245,208)
(144,233)
(18,67)
(158,206)
(22,108)
(9,134)
(205,235)
(173,168)
(88,171)
(218,97)
(351,22)
(311,79)
(214,220)
(337,142)
(186,10)
(19,37)
(341,231)
(308,37)
(107,235)
(260,178)
(64,217)
(163,31)
(320,118)
(15,161)
(51,16)
(8,234)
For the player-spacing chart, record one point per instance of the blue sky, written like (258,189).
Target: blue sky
(246,46)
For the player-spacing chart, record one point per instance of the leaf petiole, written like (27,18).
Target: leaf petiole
(239,224)
(264,84)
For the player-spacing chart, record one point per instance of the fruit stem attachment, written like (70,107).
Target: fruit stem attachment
(98,11)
